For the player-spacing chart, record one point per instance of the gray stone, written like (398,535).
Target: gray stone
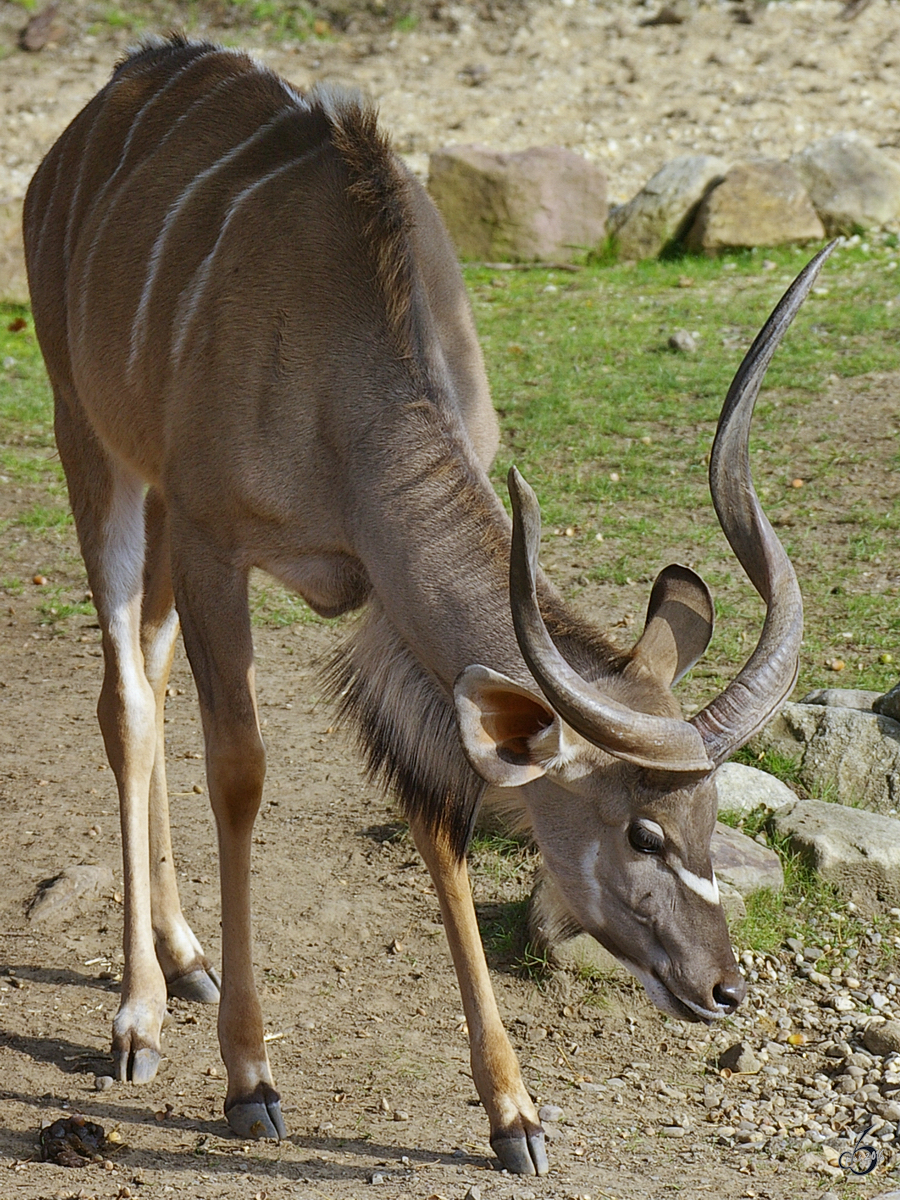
(857,753)
(742,790)
(683,342)
(855,698)
(732,902)
(545,203)
(665,207)
(583,956)
(552,930)
(888,705)
(760,203)
(741,1059)
(743,863)
(857,851)
(851,183)
(883,1039)
(61,897)
(550,1112)
(13,281)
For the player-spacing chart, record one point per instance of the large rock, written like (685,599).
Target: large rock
(540,204)
(888,705)
(665,207)
(13,283)
(744,789)
(851,751)
(743,863)
(857,851)
(857,698)
(759,203)
(852,184)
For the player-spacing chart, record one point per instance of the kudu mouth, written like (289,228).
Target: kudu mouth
(747,703)
(727,993)
(679,1006)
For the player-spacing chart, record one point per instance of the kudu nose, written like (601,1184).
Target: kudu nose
(729,993)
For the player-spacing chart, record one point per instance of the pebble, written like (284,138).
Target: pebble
(683,342)
(740,1058)
(550,1112)
(102,1083)
(474,1193)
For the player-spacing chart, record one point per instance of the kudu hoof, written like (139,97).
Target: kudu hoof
(138,1066)
(201,985)
(522,1153)
(257,1119)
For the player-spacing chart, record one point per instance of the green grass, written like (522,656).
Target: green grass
(613,429)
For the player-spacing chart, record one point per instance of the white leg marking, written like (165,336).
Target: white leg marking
(156,655)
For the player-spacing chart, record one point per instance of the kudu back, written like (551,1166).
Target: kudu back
(262,354)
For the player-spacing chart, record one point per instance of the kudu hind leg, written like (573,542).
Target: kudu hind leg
(516,1134)
(212,601)
(188,972)
(107,502)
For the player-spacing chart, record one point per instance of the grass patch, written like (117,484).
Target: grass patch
(613,430)
(807,908)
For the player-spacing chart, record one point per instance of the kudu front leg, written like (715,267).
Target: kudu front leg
(215,619)
(516,1134)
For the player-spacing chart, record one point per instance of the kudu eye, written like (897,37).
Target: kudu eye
(646,836)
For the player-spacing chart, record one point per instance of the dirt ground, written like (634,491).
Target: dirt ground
(367,1041)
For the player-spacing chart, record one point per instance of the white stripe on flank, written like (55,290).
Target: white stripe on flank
(156,97)
(67,243)
(139,330)
(707,888)
(193,294)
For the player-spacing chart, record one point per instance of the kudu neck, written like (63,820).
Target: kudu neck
(435,541)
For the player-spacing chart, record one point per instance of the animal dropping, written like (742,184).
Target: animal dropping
(262,355)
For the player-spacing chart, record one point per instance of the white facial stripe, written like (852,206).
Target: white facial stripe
(707,888)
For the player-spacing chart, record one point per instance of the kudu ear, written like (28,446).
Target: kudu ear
(510,735)
(679,625)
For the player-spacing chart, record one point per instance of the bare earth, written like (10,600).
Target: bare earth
(367,1040)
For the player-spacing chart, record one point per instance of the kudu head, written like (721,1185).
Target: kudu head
(620,790)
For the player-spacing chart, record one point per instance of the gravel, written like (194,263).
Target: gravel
(813,1095)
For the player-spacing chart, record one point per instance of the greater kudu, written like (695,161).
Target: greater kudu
(262,354)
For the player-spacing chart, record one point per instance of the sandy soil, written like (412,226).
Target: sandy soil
(358,992)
